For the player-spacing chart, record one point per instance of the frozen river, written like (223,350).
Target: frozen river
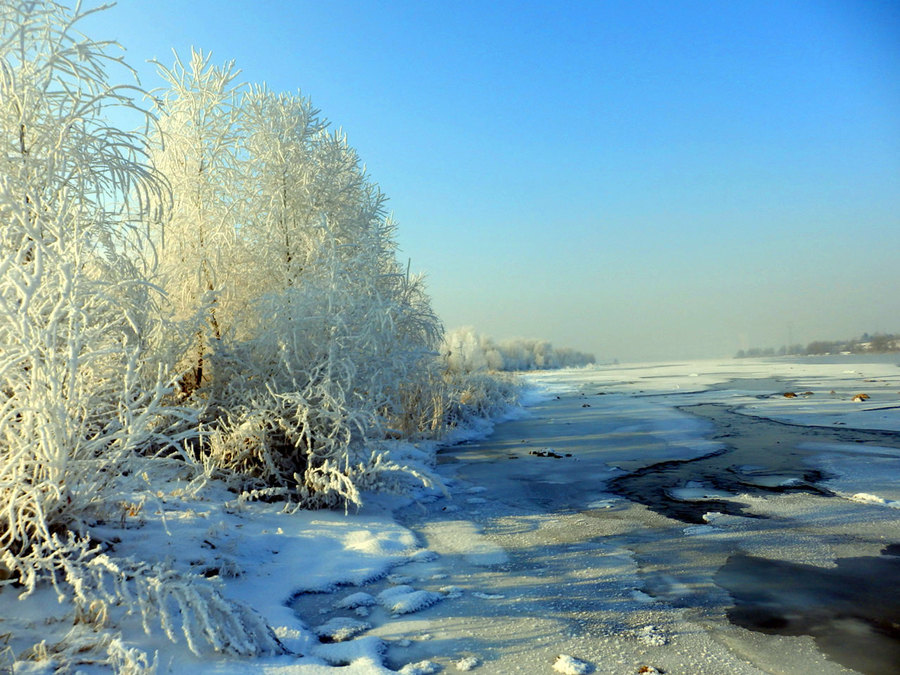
(739,517)
(682,518)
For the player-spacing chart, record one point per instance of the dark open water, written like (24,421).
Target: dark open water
(851,610)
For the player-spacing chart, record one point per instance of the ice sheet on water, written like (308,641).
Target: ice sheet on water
(602,503)
(856,469)
(698,491)
(355,600)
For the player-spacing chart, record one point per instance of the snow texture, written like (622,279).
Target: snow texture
(651,636)
(569,665)
(467,663)
(355,600)
(420,668)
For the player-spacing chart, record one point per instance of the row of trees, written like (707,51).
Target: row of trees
(879,343)
(218,289)
(466,351)
(301,333)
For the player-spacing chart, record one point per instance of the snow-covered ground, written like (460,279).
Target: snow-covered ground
(532,563)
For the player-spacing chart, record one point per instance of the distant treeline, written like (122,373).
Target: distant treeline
(866,344)
(464,351)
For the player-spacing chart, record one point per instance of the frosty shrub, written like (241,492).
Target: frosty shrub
(458,386)
(75,402)
(79,400)
(476,395)
(301,328)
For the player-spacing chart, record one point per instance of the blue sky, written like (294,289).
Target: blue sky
(644,180)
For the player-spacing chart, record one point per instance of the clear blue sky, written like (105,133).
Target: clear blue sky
(644,180)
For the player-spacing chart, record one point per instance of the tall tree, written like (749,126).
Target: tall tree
(281,134)
(335,324)
(198,149)
(79,404)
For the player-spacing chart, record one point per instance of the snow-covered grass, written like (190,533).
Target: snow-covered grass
(250,553)
(217,556)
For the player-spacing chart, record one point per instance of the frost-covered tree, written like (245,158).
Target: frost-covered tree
(197,149)
(281,134)
(335,326)
(311,342)
(465,351)
(80,402)
(75,397)
(534,354)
